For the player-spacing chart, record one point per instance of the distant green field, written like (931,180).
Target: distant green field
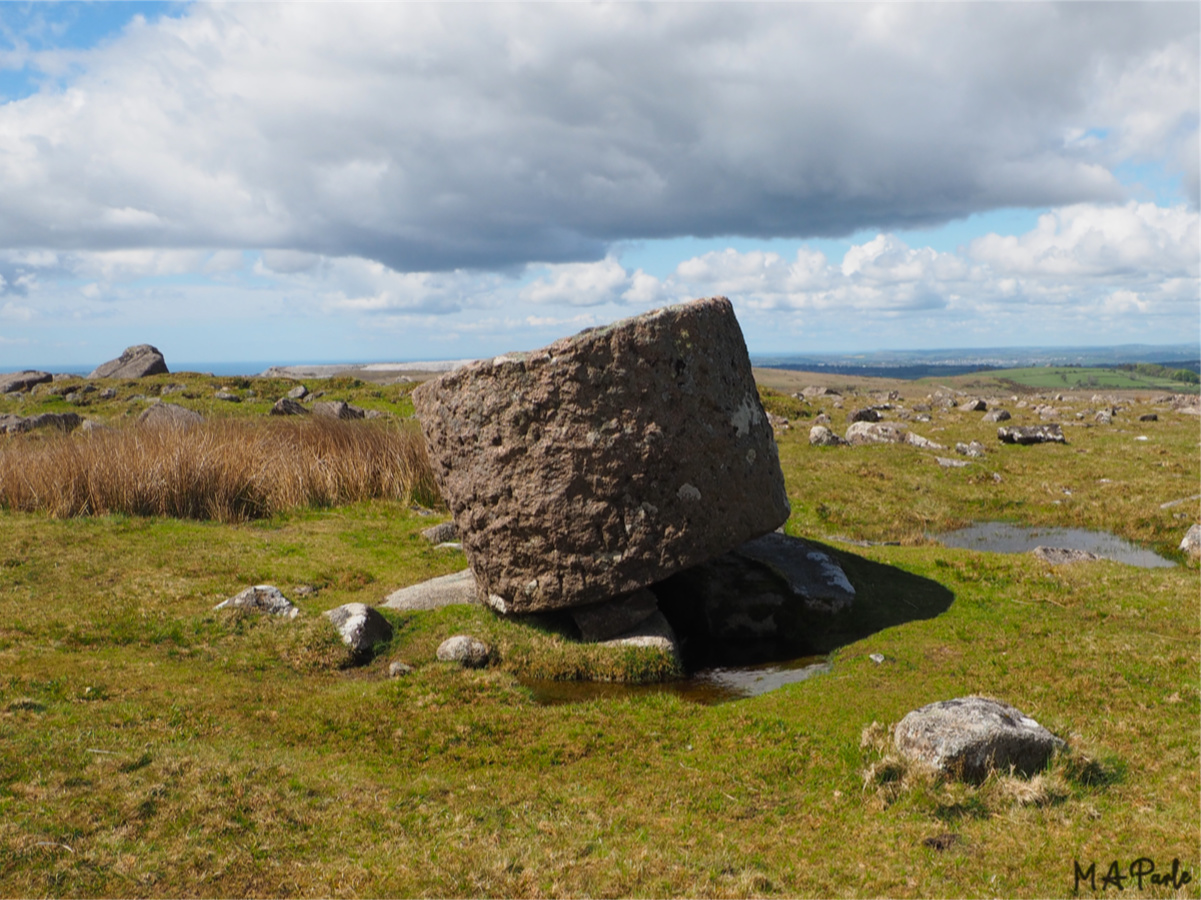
(1074,378)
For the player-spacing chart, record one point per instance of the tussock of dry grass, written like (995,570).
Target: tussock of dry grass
(226,470)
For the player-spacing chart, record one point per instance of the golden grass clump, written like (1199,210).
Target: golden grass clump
(226,470)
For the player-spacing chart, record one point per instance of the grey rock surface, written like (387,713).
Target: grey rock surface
(808,571)
(603,621)
(607,460)
(1030,434)
(337,409)
(654,632)
(457,589)
(1191,543)
(821,436)
(360,627)
(860,433)
(864,415)
(397,669)
(997,415)
(298,393)
(265,598)
(975,449)
(947,463)
(14,424)
(440,533)
(286,406)
(970,736)
(23,381)
(169,415)
(917,440)
(1059,556)
(136,362)
(468,651)
(973,406)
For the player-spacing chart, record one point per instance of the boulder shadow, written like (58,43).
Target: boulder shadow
(885,596)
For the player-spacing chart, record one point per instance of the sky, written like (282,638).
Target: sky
(314,182)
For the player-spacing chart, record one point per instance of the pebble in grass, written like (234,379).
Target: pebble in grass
(470,652)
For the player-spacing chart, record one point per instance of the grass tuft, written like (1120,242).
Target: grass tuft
(227,470)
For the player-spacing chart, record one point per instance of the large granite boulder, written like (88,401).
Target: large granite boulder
(23,381)
(136,362)
(970,736)
(605,461)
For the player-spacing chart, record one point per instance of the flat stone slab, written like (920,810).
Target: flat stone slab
(457,589)
(970,736)
(1060,556)
(654,632)
(606,461)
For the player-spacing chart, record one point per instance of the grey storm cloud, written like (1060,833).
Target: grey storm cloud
(487,136)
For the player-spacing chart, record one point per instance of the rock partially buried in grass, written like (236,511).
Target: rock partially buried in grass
(457,589)
(860,433)
(337,409)
(286,406)
(606,461)
(1191,544)
(170,415)
(136,362)
(1031,434)
(464,649)
(969,737)
(997,415)
(262,598)
(821,436)
(1060,556)
(654,633)
(360,627)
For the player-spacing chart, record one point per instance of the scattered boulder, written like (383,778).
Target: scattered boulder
(814,391)
(23,381)
(864,415)
(1192,541)
(14,424)
(227,395)
(360,627)
(298,393)
(778,423)
(1148,417)
(397,669)
(860,433)
(337,409)
(108,394)
(170,415)
(136,362)
(603,621)
(973,406)
(997,415)
(948,463)
(1030,434)
(286,406)
(172,389)
(470,652)
(605,461)
(918,441)
(441,533)
(969,737)
(1104,417)
(265,598)
(1060,556)
(457,589)
(821,436)
(974,449)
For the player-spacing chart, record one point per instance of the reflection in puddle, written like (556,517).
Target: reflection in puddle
(1004,537)
(706,686)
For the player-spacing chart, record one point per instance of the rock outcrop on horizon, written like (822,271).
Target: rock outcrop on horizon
(136,362)
(606,461)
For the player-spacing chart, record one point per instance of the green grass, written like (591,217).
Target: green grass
(152,747)
(1078,378)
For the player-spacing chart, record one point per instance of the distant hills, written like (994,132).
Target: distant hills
(909,364)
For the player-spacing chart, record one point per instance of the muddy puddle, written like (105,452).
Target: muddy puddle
(706,686)
(1005,537)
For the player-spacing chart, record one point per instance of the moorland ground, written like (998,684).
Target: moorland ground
(150,746)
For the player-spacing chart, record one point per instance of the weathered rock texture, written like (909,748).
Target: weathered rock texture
(14,424)
(1030,434)
(170,415)
(135,362)
(970,736)
(1191,543)
(470,652)
(821,436)
(286,406)
(603,621)
(261,598)
(360,627)
(23,381)
(606,461)
(1060,556)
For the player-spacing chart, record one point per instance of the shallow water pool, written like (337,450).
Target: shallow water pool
(706,686)
(1005,537)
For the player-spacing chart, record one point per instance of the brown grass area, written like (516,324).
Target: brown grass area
(225,470)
